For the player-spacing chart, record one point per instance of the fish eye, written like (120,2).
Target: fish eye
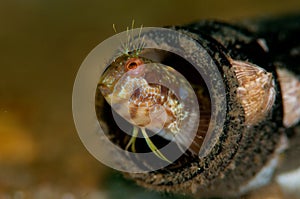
(133,63)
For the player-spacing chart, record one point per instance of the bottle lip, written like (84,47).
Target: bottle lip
(93,66)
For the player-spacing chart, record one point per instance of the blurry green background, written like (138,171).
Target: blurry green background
(42,44)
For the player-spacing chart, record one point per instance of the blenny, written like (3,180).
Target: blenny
(139,91)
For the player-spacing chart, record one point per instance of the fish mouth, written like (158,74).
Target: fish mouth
(104,89)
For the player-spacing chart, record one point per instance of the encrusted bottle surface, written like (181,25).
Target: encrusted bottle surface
(224,98)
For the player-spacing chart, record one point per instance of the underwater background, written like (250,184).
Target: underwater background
(42,45)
